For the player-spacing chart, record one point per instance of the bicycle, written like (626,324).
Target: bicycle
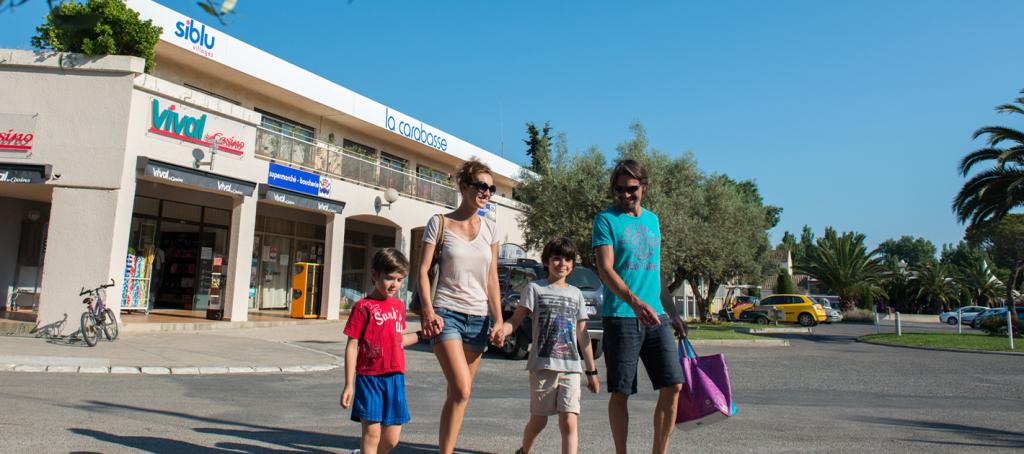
(97,317)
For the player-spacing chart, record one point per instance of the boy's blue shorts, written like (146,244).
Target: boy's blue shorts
(380,398)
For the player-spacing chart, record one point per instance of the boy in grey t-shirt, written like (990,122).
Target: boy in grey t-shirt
(560,346)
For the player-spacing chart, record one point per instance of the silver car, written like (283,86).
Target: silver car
(969,312)
(833,315)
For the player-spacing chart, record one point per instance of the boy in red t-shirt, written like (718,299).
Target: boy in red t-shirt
(375,356)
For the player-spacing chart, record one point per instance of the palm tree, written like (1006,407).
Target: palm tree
(934,285)
(992,193)
(977,278)
(897,282)
(844,265)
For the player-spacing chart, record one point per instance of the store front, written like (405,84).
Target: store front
(179,239)
(291,230)
(24,224)
(364,236)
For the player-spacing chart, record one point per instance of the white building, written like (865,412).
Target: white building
(109,173)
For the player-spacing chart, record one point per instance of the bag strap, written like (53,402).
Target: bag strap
(440,235)
(684,345)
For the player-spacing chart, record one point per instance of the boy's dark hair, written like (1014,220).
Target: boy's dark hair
(559,247)
(390,260)
(630,168)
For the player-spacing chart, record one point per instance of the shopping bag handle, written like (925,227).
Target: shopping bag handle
(684,345)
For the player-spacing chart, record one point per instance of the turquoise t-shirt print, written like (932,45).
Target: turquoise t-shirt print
(637,246)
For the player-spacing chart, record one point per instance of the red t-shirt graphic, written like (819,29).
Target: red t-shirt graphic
(378,325)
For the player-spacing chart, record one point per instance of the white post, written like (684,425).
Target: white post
(899,325)
(960,320)
(1009,328)
(878,329)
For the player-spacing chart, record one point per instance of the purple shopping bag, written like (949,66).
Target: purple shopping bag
(707,396)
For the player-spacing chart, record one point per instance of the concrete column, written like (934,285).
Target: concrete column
(330,305)
(403,242)
(243,227)
(86,247)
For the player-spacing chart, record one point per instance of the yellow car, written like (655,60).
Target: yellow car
(798,309)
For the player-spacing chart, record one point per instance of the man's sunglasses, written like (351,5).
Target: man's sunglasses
(626,189)
(484,187)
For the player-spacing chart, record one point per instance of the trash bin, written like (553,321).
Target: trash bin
(306,290)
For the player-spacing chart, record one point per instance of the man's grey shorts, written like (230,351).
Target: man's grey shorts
(626,341)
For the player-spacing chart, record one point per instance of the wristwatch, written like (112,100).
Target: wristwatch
(590,372)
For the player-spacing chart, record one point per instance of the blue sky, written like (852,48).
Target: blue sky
(849,114)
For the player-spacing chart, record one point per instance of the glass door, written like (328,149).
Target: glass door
(275,263)
(212,253)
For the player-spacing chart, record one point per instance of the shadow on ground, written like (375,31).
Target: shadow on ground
(974,436)
(238,437)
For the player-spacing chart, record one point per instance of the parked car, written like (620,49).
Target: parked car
(833,315)
(969,313)
(976,322)
(734,308)
(514,275)
(792,308)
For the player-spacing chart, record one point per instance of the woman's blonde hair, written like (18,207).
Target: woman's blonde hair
(464,175)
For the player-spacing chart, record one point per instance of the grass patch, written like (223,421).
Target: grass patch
(723,331)
(941,340)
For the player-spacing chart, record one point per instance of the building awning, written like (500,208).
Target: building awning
(295,199)
(160,171)
(24,173)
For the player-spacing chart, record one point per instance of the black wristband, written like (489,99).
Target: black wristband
(590,372)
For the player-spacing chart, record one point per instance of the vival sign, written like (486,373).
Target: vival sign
(17,132)
(178,122)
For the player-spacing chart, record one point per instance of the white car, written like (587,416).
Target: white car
(969,312)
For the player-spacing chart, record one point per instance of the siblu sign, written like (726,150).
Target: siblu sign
(201,41)
(415,132)
(298,180)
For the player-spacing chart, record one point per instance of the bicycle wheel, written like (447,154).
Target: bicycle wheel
(109,324)
(89,330)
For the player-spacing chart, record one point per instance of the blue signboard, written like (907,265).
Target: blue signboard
(298,180)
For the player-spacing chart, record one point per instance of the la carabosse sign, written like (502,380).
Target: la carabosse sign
(175,121)
(17,132)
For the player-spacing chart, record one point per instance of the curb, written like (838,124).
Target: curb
(939,349)
(157,371)
(802,330)
(208,326)
(742,342)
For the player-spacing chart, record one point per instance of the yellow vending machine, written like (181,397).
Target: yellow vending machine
(306,285)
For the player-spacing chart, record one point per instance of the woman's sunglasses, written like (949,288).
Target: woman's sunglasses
(484,187)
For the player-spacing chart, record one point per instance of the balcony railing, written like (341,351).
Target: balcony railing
(332,160)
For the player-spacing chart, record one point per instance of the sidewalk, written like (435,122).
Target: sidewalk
(245,350)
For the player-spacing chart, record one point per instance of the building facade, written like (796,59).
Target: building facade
(226,181)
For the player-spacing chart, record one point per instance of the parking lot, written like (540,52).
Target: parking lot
(824,393)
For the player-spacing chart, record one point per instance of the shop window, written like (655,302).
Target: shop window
(355,238)
(305,230)
(147,206)
(215,216)
(278,226)
(286,127)
(181,211)
(393,162)
(383,241)
(364,151)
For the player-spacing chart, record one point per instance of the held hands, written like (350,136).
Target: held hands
(346,397)
(645,313)
(593,384)
(506,328)
(432,325)
(498,334)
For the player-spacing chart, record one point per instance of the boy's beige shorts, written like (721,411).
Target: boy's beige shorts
(553,392)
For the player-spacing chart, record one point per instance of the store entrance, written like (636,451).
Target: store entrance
(283,239)
(174,251)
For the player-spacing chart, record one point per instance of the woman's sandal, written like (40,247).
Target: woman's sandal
(520,451)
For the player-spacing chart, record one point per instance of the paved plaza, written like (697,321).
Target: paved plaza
(824,393)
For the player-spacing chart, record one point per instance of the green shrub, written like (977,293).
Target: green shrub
(784,283)
(98,27)
(859,315)
(996,326)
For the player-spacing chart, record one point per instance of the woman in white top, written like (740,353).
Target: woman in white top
(457,321)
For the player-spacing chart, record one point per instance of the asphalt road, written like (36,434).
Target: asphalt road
(824,393)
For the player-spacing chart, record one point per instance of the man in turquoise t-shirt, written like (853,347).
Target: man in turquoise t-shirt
(639,315)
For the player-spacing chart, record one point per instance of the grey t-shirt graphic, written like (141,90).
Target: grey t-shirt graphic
(555,313)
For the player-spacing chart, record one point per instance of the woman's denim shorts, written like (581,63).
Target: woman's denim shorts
(472,330)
